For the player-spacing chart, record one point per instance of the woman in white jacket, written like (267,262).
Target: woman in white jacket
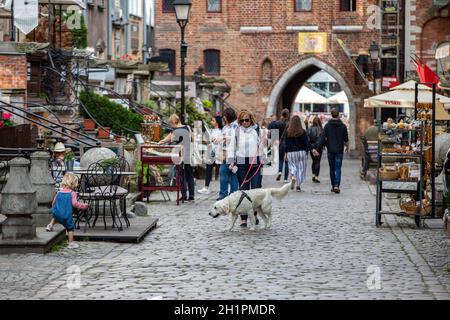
(247,155)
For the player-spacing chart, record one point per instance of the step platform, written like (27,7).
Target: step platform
(42,244)
(140,227)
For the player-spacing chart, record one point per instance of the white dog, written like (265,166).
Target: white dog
(248,202)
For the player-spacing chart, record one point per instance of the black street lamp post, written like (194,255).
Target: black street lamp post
(182,8)
(374,52)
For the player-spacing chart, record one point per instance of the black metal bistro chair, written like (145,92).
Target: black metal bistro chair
(123,189)
(100,186)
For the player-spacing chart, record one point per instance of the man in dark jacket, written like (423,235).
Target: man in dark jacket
(335,138)
(281,126)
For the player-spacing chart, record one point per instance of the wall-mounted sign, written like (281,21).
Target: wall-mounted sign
(312,42)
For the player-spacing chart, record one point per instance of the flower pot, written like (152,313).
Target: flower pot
(88,125)
(103,133)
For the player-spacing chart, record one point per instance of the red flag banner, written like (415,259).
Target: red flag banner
(425,73)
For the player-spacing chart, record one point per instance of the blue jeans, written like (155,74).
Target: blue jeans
(228,181)
(335,162)
(281,162)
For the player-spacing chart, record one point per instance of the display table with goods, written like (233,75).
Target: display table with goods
(406,161)
(160,169)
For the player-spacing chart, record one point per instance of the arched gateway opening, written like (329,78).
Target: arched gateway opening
(289,84)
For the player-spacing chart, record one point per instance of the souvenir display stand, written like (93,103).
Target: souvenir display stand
(406,162)
(154,156)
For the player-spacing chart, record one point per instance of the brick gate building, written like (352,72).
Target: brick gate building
(254,45)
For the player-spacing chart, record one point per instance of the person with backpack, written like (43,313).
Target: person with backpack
(315,136)
(335,139)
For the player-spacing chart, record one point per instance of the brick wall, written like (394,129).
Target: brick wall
(13,72)
(243,54)
(430,26)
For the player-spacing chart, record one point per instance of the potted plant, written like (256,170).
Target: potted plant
(88,124)
(103,133)
(69,160)
(109,163)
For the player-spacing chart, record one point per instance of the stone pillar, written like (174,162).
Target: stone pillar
(45,187)
(18,203)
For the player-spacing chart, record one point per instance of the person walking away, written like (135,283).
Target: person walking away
(215,133)
(315,137)
(62,207)
(335,139)
(227,174)
(281,126)
(176,137)
(247,155)
(297,145)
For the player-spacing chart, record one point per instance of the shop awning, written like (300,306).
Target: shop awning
(307,95)
(403,96)
(443,51)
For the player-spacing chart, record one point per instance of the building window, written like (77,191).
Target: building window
(267,71)
(303,5)
(167,6)
(348,5)
(134,37)
(211,61)
(169,56)
(214,5)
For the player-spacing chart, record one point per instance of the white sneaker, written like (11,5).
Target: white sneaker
(286,181)
(73,245)
(49,228)
(204,191)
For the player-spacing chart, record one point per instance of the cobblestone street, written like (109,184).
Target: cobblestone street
(320,247)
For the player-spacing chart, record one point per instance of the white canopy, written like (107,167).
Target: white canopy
(443,51)
(307,95)
(403,96)
(338,98)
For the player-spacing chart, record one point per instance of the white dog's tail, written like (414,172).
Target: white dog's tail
(281,192)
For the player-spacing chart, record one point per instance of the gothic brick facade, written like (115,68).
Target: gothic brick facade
(429,27)
(259,56)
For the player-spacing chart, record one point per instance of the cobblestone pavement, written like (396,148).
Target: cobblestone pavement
(320,247)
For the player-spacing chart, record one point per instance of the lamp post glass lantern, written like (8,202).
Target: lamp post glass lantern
(374,52)
(182,9)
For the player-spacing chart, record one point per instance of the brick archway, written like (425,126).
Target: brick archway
(290,82)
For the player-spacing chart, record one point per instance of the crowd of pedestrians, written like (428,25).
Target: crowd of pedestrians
(238,147)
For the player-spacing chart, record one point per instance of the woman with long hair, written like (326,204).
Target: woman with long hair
(315,135)
(297,145)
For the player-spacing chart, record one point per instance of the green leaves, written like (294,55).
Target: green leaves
(110,114)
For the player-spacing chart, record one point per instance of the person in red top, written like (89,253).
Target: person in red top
(63,204)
